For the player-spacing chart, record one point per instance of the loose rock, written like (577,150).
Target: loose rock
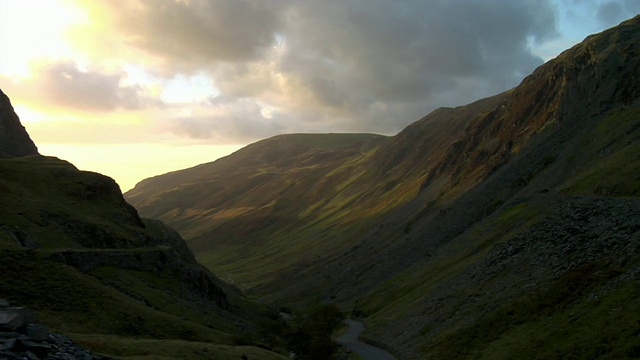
(22,338)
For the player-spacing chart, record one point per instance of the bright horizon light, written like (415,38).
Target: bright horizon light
(132,89)
(128,170)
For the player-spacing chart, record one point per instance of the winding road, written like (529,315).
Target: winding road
(350,340)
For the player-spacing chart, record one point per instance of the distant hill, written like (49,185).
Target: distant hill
(506,228)
(73,250)
(266,178)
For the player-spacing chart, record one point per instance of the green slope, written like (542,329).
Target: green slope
(73,250)
(278,184)
(505,228)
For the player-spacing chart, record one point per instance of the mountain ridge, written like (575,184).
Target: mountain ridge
(464,163)
(545,173)
(442,201)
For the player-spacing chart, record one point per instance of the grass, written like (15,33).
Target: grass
(576,317)
(94,310)
(588,312)
(398,296)
(613,148)
(579,315)
(606,165)
(51,202)
(616,175)
(163,293)
(147,349)
(284,220)
(51,207)
(142,311)
(331,140)
(70,301)
(262,265)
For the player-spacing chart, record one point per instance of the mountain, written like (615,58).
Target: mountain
(14,139)
(266,178)
(506,228)
(75,252)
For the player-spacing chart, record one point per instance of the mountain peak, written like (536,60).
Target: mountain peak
(14,139)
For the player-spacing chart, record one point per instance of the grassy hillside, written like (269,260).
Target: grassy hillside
(277,184)
(504,228)
(551,272)
(73,250)
(532,280)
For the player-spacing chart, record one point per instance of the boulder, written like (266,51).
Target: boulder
(37,332)
(9,344)
(23,339)
(11,320)
(35,347)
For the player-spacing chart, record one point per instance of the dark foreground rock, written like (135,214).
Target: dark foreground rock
(22,338)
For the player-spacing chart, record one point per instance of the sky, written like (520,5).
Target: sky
(138,88)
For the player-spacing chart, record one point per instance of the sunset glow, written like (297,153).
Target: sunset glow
(133,89)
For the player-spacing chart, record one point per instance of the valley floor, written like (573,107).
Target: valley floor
(350,340)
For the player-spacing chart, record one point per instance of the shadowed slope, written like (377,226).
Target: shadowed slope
(73,250)
(464,235)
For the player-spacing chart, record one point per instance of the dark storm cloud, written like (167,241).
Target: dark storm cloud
(194,32)
(355,65)
(612,12)
(354,54)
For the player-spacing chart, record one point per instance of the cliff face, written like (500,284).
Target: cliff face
(73,250)
(14,140)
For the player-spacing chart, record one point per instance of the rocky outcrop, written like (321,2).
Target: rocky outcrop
(197,282)
(21,337)
(584,249)
(14,139)
(69,240)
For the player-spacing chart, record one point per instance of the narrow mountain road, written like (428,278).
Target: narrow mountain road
(350,340)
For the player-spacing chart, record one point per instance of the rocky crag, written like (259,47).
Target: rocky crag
(14,139)
(77,254)
(22,337)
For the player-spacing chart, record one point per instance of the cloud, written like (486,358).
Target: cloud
(64,85)
(416,48)
(355,65)
(337,63)
(186,34)
(226,122)
(610,13)
(236,71)
(344,58)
